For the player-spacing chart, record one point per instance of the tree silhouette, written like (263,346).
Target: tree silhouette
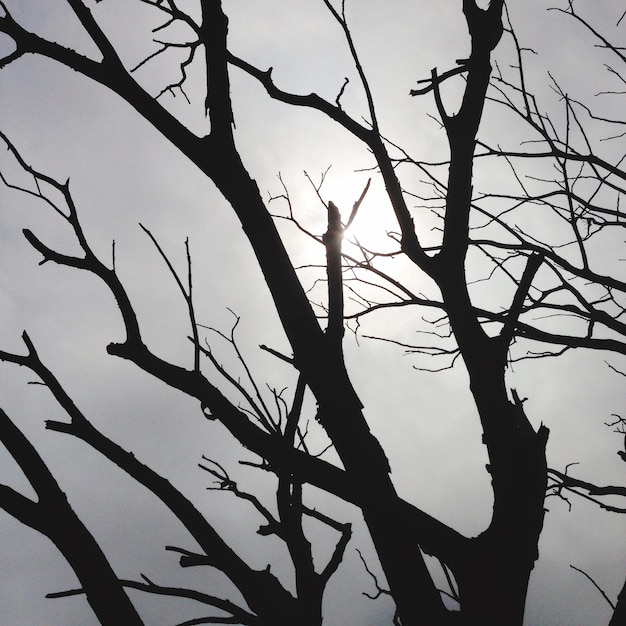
(535,274)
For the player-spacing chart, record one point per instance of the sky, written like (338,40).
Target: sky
(122,173)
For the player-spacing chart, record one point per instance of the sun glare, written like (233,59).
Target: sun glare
(373,223)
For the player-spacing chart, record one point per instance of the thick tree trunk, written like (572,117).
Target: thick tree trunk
(340,411)
(493,582)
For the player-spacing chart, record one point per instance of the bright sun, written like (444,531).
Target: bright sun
(373,220)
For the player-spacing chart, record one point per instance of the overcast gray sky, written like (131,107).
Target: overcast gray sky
(123,173)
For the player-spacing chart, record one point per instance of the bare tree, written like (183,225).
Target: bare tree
(488,574)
